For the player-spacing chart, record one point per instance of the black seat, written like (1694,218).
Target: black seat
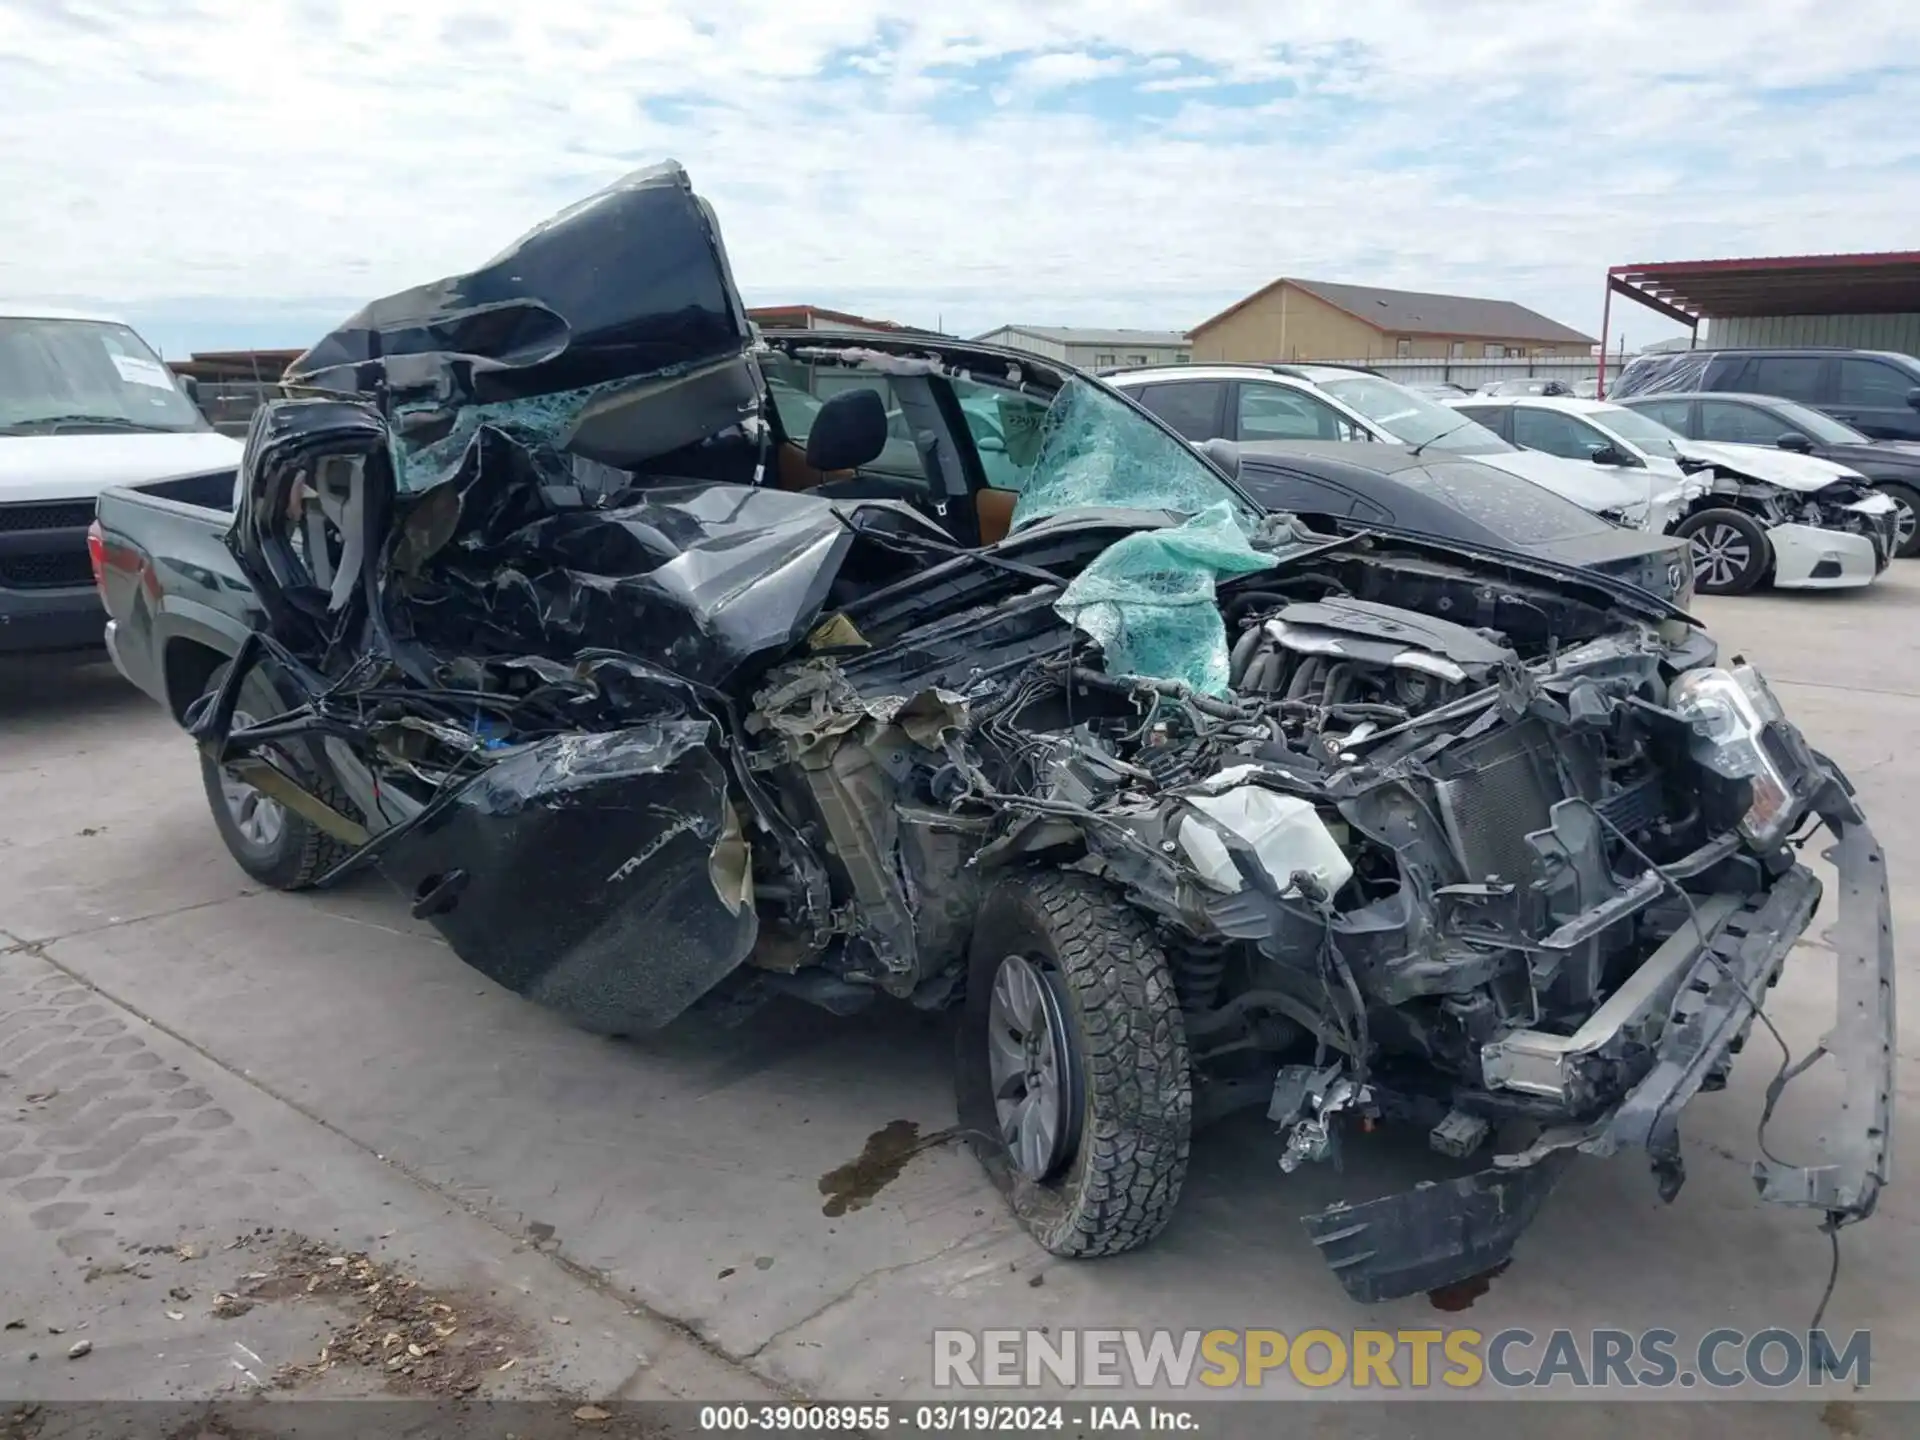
(849,431)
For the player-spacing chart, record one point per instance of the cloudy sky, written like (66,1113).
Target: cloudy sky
(246,173)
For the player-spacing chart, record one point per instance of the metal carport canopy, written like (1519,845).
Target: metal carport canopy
(1885,282)
(1879,283)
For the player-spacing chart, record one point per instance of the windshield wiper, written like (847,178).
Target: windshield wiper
(1436,439)
(56,422)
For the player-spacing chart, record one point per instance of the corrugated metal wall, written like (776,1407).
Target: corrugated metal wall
(1014,338)
(1857,332)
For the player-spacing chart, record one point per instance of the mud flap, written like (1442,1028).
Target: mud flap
(601,875)
(1433,1235)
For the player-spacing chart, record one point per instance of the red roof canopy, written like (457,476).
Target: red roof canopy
(1878,283)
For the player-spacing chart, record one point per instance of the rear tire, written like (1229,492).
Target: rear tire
(1731,554)
(268,841)
(1907,537)
(1124,1088)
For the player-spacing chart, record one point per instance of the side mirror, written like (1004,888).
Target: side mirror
(991,445)
(1609,455)
(1794,440)
(1913,397)
(1224,454)
(189,387)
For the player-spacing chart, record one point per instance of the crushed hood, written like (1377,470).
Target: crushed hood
(708,576)
(561,339)
(1770,466)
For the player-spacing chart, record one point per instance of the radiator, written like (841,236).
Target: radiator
(1501,790)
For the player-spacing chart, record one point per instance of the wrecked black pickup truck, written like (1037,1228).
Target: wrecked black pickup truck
(666,666)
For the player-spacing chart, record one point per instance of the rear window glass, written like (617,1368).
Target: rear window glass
(1793,376)
(1191,407)
(1872,382)
(1670,413)
(1505,504)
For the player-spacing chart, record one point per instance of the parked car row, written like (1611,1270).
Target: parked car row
(1877,392)
(1749,513)
(1754,513)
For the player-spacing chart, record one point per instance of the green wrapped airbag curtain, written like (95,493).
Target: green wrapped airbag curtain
(1148,599)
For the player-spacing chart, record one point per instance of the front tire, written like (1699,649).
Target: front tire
(1907,534)
(1730,552)
(268,841)
(1073,1069)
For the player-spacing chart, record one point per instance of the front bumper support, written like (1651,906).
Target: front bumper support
(1862,1041)
(1437,1235)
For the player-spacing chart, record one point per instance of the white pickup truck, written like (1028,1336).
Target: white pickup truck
(84,404)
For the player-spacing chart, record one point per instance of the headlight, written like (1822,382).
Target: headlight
(1729,710)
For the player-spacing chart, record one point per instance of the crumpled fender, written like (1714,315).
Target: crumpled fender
(517,872)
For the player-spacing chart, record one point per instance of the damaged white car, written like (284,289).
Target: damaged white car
(647,703)
(1753,513)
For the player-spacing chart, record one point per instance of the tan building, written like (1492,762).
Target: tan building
(1312,320)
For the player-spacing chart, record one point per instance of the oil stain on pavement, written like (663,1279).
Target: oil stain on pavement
(852,1186)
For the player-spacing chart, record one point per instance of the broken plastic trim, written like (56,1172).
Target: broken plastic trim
(1433,1236)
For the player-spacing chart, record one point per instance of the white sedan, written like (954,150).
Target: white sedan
(1752,513)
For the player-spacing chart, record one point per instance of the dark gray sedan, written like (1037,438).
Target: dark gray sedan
(1412,490)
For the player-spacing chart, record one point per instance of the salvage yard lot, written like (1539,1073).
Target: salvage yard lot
(707,1174)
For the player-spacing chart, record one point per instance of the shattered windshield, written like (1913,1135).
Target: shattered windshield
(1413,419)
(1094,449)
(86,375)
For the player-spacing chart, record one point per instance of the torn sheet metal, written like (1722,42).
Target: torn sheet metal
(623,292)
(709,574)
(907,867)
(522,874)
(1148,600)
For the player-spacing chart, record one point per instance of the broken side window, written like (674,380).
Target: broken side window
(1005,426)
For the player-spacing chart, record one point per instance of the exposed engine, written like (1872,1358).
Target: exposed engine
(1366,848)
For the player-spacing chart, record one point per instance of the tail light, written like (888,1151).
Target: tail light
(97,556)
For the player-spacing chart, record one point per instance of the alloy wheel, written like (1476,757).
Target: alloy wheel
(259,818)
(1905,521)
(1033,1069)
(1721,554)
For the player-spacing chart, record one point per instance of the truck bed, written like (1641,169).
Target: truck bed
(177,604)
